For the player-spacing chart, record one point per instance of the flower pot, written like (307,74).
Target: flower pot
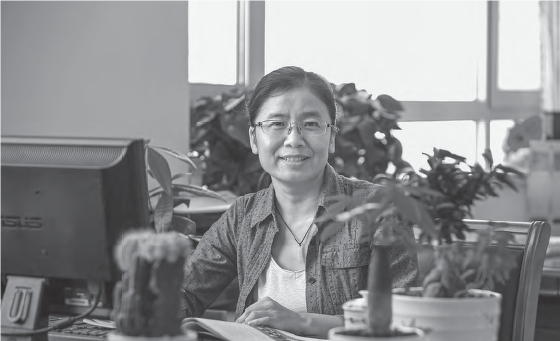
(458,319)
(355,312)
(401,333)
(189,335)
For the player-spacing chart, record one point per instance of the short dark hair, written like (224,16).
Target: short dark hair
(288,78)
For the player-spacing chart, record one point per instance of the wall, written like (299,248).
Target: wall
(107,69)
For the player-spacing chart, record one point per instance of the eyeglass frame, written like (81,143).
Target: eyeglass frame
(289,128)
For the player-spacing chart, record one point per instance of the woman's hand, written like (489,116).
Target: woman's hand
(267,312)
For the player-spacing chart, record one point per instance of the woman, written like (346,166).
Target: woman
(288,278)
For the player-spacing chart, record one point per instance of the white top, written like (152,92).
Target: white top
(284,286)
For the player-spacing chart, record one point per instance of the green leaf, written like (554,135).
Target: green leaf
(233,102)
(181,200)
(415,212)
(183,225)
(177,155)
(488,157)
(163,213)
(197,190)
(160,168)
(511,170)
(390,103)
(180,175)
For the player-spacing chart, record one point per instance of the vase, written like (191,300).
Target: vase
(188,335)
(458,319)
(402,333)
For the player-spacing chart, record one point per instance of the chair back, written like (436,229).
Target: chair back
(520,295)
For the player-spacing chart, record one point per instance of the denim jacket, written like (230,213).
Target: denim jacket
(239,244)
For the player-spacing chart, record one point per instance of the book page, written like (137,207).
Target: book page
(231,331)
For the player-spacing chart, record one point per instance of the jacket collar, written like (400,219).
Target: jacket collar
(332,185)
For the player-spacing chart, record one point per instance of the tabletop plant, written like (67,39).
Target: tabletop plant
(169,192)
(436,201)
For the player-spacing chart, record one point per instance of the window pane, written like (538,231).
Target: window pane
(410,50)
(458,137)
(213,42)
(519,60)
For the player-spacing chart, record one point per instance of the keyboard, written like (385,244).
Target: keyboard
(79,331)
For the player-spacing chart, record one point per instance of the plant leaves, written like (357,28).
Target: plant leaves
(163,213)
(389,103)
(160,169)
(488,157)
(183,225)
(197,190)
(177,155)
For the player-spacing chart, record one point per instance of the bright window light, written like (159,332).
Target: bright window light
(414,51)
(212,42)
(519,60)
(458,137)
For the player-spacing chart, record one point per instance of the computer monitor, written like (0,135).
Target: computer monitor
(65,204)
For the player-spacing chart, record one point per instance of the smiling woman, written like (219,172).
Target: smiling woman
(289,278)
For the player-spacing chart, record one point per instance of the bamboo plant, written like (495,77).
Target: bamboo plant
(435,201)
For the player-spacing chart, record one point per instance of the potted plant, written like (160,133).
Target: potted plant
(169,192)
(436,201)
(365,145)
(219,138)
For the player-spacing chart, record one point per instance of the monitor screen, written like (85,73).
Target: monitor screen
(65,204)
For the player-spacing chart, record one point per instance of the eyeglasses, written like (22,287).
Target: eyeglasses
(306,128)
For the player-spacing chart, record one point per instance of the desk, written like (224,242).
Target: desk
(204,211)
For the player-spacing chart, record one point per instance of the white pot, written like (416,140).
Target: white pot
(335,334)
(189,335)
(355,312)
(458,319)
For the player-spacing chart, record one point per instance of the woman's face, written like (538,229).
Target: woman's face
(293,158)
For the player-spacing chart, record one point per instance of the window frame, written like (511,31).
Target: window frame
(499,104)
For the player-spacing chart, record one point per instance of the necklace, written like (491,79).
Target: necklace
(289,229)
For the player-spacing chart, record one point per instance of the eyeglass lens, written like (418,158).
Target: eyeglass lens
(309,128)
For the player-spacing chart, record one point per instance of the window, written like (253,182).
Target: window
(519,60)
(212,32)
(414,51)
(421,137)
(464,70)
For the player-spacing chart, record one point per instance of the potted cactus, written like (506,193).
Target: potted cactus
(435,201)
(147,299)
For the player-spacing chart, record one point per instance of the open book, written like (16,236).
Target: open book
(231,331)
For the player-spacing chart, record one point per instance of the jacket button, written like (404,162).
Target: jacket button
(311,280)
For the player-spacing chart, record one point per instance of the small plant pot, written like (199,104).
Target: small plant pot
(458,319)
(188,335)
(355,312)
(400,333)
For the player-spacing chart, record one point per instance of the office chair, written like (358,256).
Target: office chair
(520,295)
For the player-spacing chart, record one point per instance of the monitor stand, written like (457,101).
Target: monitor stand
(24,309)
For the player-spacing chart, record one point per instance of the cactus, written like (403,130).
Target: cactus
(146,300)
